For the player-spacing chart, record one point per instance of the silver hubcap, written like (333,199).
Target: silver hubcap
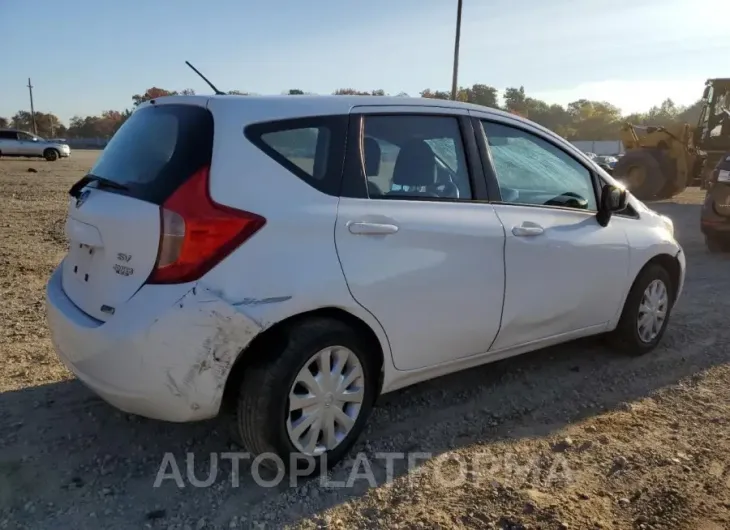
(653,310)
(325,400)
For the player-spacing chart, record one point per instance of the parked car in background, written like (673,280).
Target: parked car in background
(606,159)
(20,143)
(288,259)
(607,163)
(715,216)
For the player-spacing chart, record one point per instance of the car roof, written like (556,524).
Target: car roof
(312,105)
(342,104)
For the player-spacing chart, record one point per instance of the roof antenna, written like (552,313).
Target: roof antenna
(211,85)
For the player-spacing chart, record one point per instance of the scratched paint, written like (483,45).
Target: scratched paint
(262,301)
(200,341)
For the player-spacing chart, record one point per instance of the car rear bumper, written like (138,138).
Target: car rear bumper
(711,222)
(714,225)
(716,229)
(166,354)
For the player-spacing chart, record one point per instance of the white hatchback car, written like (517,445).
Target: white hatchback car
(295,257)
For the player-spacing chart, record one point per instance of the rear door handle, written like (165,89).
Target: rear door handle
(381,229)
(527,229)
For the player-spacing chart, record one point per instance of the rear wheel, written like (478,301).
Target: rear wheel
(308,405)
(646,312)
(642,174)
(51,155)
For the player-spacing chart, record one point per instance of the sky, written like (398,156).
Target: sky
(93,55)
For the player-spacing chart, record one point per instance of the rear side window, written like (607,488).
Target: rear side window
(311,148)
(8,135)
(299,147)
(157,149)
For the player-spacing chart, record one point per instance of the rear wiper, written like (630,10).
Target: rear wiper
(75,190)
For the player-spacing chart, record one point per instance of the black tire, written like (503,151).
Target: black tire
(626,335)
(716,245)
(674,184)
(654,179)
(51,155)
(262,408)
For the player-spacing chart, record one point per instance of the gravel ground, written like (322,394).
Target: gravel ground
(576,436)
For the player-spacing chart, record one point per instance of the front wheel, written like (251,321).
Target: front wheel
(51,155)
(307,407)
(646,312)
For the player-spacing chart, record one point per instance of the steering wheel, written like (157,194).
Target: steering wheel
(568,199)
(446,189)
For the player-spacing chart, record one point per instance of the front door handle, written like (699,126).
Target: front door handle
(378,229)
(527,229)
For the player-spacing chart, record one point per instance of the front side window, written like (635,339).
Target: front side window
(533,171)
(414,157)
(25,137)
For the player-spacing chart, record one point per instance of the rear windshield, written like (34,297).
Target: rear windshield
(157,149)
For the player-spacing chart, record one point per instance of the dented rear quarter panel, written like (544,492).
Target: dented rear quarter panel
(199,340)
(166,354)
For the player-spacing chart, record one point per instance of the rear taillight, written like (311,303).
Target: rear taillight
(196,233)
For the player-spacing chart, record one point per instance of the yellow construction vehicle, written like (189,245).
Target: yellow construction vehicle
(660,162)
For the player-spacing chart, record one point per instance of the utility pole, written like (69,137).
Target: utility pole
(32,109)
(456,51)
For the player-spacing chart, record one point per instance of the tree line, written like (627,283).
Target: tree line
(580,120)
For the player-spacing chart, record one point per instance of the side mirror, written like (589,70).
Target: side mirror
(613,199)
(706,93)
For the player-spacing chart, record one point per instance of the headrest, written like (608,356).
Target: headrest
(415,165)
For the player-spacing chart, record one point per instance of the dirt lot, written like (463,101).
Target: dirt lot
(571,437)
